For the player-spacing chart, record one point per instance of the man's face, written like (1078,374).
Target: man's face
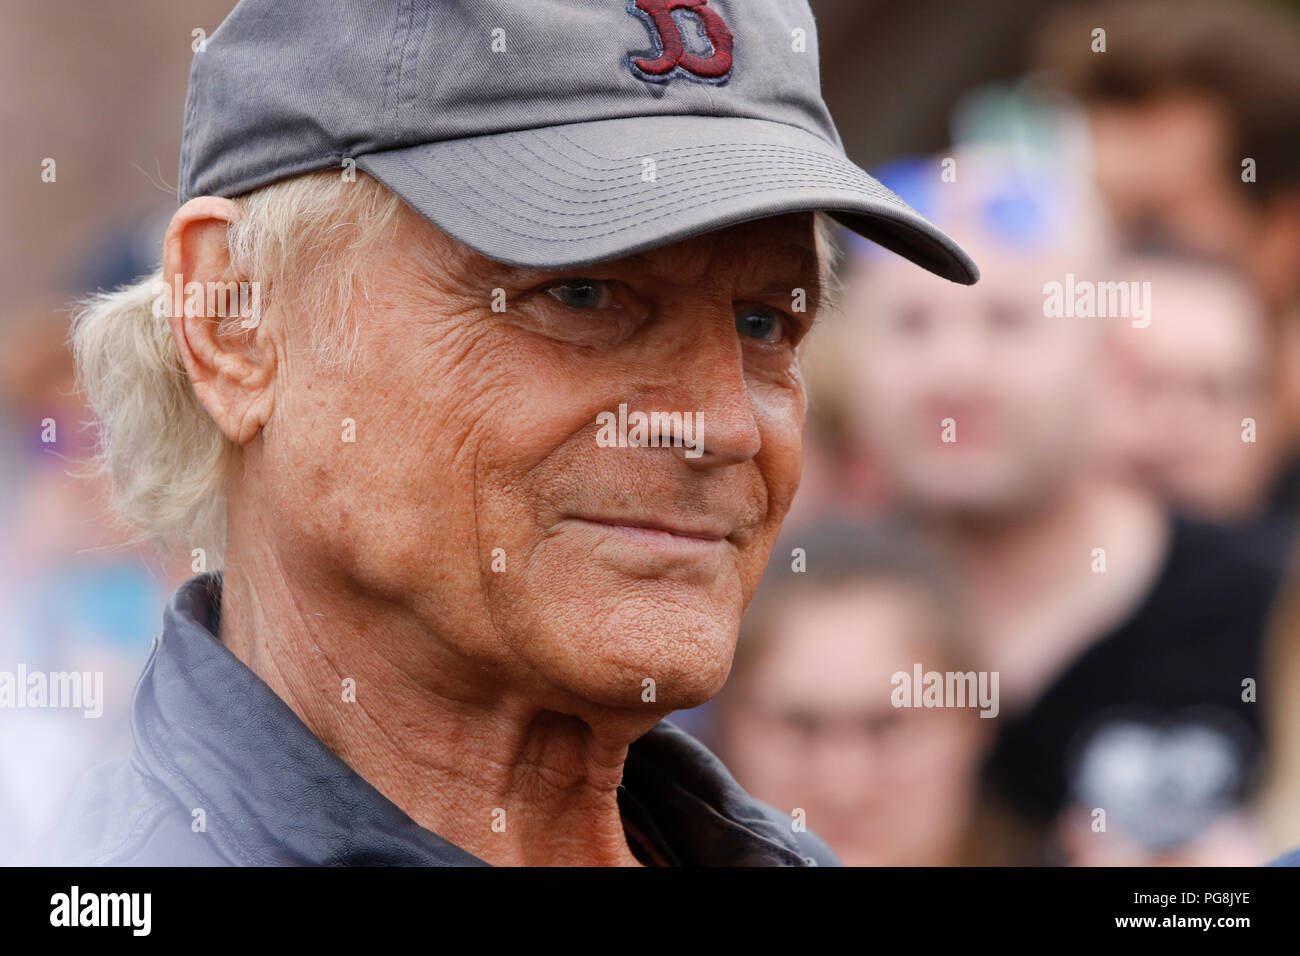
(1161,165)
(974,400)
(476,496)
(1185,384)
(812,725)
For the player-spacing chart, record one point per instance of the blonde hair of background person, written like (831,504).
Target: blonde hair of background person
(1279,695)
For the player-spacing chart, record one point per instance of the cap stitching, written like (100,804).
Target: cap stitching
(690,195)
(718,149)
(392,92)
(687,178)
(642,220)
(685,182)
(708,152)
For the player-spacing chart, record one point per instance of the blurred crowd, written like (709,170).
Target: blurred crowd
(75,594)
(1094,503)
(1096,508)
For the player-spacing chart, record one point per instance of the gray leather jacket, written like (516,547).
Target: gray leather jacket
(224,773)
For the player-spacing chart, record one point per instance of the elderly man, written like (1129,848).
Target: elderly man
(454,603)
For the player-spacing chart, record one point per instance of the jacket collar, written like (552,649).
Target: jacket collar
(222,741)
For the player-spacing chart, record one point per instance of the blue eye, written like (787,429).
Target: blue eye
(581,293)
(766,325)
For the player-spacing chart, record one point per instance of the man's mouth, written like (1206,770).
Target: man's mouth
(706,531)
(657,532)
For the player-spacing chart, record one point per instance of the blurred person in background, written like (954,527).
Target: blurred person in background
(75,593)
(1193,411)
(1087,596)
(1194,115)
(1193,112)
(806,720)
(1148,789)
(1281,705)
(71,598)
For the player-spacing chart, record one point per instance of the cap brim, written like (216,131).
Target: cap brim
(559,197)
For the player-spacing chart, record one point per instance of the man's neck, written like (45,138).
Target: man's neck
(509,782)
(1017,548)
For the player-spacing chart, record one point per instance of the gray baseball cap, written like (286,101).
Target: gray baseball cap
(543,133)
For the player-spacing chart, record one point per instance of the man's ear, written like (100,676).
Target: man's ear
(215,318)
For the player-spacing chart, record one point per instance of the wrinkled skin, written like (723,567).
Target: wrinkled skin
(475,430)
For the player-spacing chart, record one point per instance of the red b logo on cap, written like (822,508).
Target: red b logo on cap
(673,59)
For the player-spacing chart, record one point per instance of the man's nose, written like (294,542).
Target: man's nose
(709,379)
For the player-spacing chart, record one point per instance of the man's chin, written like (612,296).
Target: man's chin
(656,654)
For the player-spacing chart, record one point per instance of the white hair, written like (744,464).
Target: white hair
(166,461)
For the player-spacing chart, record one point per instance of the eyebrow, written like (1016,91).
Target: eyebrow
(808,277)
(812,274)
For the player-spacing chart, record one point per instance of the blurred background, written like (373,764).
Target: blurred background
(1097,509)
